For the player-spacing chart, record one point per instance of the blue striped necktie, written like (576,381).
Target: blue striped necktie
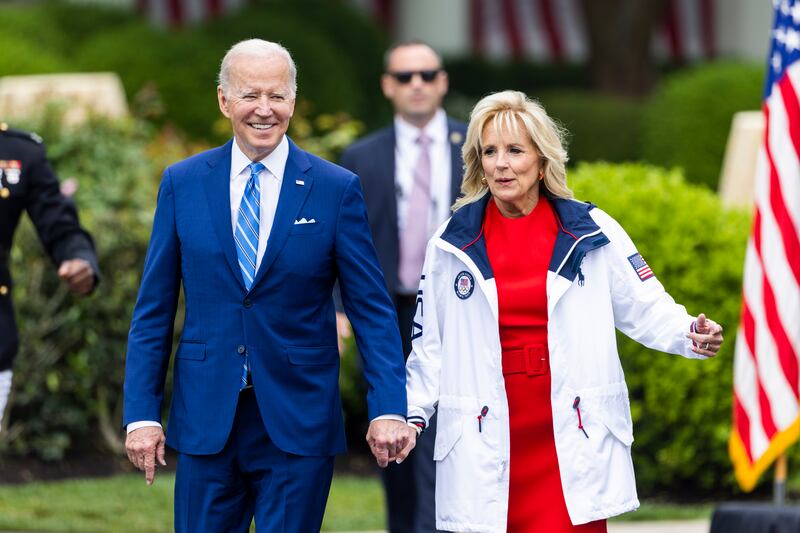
(246,236)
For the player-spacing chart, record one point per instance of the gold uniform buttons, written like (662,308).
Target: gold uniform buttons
(3,290)
(4,192)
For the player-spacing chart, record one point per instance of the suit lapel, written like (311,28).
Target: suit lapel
(291,199)
(218,191)
(456,139)
(385,160)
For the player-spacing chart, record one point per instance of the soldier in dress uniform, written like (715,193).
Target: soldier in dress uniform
(27,183)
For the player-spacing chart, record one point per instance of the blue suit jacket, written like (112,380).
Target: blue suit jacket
(285,322)
(372,158)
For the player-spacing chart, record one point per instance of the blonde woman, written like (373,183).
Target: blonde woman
(514,338)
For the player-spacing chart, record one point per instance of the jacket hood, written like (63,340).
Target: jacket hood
(576,225)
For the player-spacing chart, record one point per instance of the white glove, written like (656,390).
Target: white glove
(5,390)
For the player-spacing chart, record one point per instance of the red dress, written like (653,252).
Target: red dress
(519,251)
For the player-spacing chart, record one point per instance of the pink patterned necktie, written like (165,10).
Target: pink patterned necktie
(415,234)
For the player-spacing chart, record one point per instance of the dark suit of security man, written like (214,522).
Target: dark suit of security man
(409,188)
(28,183)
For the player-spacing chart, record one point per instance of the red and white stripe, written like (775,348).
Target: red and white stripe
(687,31)
(178,13)
(766,365)
(554,30)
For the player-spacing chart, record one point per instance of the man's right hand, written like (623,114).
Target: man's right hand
(343,331)
(145,446)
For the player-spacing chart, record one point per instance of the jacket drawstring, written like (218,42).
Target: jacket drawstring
(578,410)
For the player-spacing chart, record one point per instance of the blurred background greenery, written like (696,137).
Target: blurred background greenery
(651,160)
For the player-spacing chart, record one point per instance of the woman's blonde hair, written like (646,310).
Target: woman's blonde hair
(507,110)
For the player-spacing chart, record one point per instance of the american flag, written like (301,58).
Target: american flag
(554,30)
(641,267)
(766,417)
(538,30)
(176,13)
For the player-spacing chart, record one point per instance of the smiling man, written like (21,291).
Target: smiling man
(257,232)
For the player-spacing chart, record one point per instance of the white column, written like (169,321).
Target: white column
(444,24)
(743,28)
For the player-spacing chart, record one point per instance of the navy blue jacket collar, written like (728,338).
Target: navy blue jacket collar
(465,231)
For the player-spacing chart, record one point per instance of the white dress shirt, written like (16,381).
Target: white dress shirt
(270,180)
(406,154)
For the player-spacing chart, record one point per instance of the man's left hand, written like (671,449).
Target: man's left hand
(387,438)
(78,274)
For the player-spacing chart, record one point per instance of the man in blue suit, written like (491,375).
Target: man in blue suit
(411,174)
(257,232)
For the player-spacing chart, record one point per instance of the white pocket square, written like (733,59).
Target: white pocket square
(304,221)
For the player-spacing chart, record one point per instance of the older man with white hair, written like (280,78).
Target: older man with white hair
(257,232)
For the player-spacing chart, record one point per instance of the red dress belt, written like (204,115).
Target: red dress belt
(532,359)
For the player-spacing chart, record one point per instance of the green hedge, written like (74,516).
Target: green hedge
(338,53)
(601,127)
(69,372)
(681,408)
(685,123)
(688,120)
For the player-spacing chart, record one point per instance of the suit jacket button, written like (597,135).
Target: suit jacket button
(248,303)
(241,349)
(3,290)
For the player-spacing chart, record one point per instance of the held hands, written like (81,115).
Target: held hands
(145,446)
(78,274)
(707,336)
(390,440)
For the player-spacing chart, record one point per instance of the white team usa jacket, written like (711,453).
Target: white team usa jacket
(596,282)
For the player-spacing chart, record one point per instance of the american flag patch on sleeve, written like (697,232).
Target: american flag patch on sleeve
(641,267)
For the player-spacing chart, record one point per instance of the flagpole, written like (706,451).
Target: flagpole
(781,469)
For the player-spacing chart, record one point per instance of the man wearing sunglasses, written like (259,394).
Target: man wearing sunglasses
(411,174)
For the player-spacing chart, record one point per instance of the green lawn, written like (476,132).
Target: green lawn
(668,511)
(125,504)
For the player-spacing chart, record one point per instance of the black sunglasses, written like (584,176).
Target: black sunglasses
(406,76)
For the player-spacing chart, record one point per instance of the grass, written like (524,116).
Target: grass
(653,511)
(124,504)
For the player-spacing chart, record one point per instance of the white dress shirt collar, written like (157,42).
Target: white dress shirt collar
(436,129)
(275,161)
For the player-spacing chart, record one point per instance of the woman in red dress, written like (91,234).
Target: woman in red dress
(520,230)
(519,300)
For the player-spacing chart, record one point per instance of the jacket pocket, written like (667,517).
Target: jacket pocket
(616,416)
(312,355)
(191,350)
(603,410)
(448,432)
(307,229)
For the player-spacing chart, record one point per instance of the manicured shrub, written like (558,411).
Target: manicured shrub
(687,122)
(179,67)
(69,372)
(601,128)
(21,56)
(182,66)
(681,408)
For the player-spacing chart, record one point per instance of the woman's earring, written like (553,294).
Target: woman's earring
(483,180)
